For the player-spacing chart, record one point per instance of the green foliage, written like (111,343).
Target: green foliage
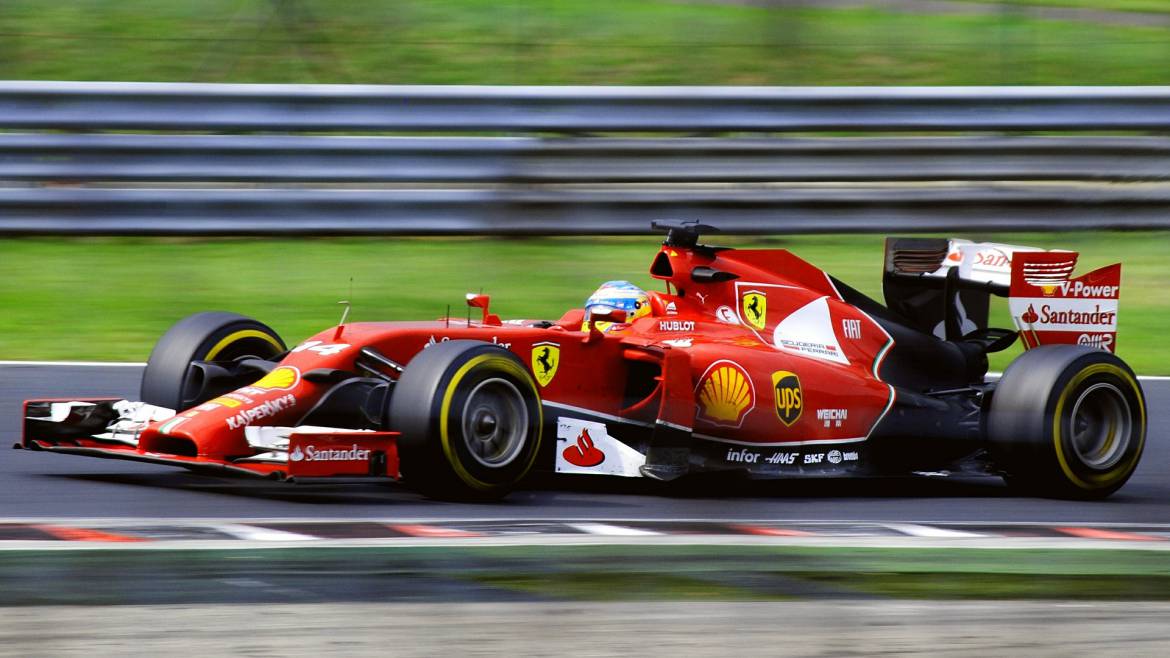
(112,298)
(569,42)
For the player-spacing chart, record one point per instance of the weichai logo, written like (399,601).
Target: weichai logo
(789,400)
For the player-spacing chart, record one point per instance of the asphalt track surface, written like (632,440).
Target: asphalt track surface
(41,486)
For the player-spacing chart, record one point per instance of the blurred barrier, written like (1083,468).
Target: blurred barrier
(52,158)
(571,212)
(285,108)
(272,182)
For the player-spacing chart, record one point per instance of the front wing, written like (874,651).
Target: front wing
(109,428)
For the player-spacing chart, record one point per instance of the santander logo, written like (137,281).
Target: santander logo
(1030,316)
(296,455)
(584,453)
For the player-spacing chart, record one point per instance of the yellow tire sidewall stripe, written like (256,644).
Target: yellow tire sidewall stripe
(1117,472)
(510,367)
(236,336)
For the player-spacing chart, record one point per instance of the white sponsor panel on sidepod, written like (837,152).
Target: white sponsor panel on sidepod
(620,459)
(809,331)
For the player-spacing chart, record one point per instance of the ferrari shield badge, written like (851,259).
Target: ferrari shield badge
(755,308)
(789,404)
(545,359)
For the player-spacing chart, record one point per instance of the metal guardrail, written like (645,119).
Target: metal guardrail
(55,158)
(347,108)
(571,212)
(555,178)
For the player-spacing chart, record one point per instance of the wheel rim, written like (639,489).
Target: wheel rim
(495,422)
(1100,426)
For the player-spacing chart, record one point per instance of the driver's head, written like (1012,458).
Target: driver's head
(620,296)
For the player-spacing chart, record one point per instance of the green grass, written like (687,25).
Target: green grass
(564,42)
(595,573)
(111,298)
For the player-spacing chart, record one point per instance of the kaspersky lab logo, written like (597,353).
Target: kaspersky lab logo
(789,398)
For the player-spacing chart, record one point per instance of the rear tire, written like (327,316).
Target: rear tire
(1067,421)
(169,381)
(470,420)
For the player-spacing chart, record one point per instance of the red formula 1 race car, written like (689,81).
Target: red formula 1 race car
(750,360)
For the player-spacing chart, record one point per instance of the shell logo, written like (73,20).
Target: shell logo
(725,394)
(284,377)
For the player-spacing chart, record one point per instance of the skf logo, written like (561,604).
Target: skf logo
(545,359)
(786,386)
(755,308)
(725,394)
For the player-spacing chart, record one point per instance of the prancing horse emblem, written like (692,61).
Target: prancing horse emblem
(545,359)
(755,309)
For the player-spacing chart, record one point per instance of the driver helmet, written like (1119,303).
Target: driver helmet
(616,295)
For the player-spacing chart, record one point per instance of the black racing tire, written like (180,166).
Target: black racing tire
(169,381)
(1067,421)
(470,419)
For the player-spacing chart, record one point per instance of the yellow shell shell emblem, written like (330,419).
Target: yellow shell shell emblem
(545,359)
(725,395)
(755,309)
(283,377)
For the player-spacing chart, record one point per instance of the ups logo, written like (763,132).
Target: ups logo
(789,401)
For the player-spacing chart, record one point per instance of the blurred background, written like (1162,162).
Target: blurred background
(591,42)
(109,297)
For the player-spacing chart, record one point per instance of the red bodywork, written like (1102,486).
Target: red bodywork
(759,367)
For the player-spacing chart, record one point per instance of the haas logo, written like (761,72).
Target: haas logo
(583,453)
(296,455)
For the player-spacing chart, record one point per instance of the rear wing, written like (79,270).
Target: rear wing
(1050,307)
(944,286)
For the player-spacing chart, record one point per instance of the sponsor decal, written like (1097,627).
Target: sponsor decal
(787,458)
(321,347)
(281,379)
(223,401)
(584,452)
(312,453)
(545,359)
(743,456)
(755,308)
(851,328)
(1082,289)
(832,417)
(676,325)
(849,456)
(170,425)
(671,308)
(263,410)
(678,342)
(586,447)
(814,458)
(1099,341)
(788,396)
(442,339)
(1071,315)
(725,394)
(726,314)
(808,331)
(834,457)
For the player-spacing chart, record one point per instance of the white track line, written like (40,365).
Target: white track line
(252,533)
(608,530)
(915,530)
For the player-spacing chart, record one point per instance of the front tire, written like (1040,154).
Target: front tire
(1067,421)
(470,420)
(170,381)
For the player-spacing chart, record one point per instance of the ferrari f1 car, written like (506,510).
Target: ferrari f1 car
(749,360)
